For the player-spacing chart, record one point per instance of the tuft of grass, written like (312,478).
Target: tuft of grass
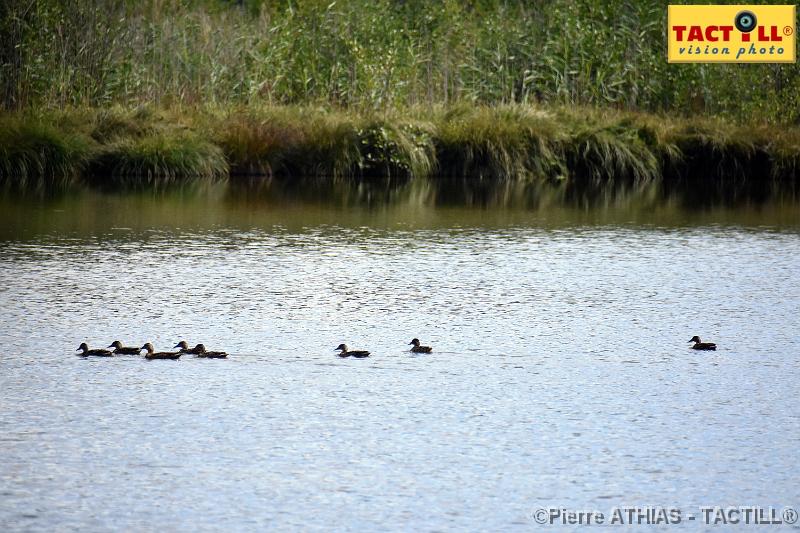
(258,143)
(329,146)
(307,142)
(610,154)
(161,157)
(716,151)
(109,125)
(392,149)
(34,154)
(784,149)
(505,143)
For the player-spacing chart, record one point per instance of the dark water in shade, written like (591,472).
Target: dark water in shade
(561,374)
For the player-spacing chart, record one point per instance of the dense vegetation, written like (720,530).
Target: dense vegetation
(375,54)
(482,89)
(484,143)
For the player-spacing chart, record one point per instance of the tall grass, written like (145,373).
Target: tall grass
(34,154)
(159,158)
(313,142)
(382,54)
(581,147)
(505,143)
(609,153)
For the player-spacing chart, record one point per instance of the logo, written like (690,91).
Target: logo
(731,34)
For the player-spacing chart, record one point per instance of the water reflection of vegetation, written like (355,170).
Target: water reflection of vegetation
(535,195)
(307,204)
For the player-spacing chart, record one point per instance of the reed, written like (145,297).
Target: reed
(504,143)
(378,55)
(318,143)
(159,158)
(606,154)
(258,142)
(34,154)
(583,147)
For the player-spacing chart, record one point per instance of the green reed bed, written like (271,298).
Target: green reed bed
(160,158)
(504,143)
(34,154)
(317,143)
(370,54)
(492,144)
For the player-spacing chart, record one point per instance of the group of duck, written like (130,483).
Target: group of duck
(416,347)
(119,349)
(200,351)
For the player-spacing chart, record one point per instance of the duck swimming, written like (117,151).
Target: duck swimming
(184,346)
(123,350)
(698,345)
(200,351)
(151,354)
(354,353)
(209,355)
(97,352)
(419,349)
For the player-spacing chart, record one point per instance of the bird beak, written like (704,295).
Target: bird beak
(177,345)
(109,346)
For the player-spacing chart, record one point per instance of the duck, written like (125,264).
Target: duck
(184,346)
(123,350)
(200,351)
(97,352)
(209,354)
(699,345)
(344,352)
(419,349)
(151,354)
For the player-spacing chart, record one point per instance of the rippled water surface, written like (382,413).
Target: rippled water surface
(561,374)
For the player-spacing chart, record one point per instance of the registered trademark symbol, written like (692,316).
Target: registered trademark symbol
(788,30)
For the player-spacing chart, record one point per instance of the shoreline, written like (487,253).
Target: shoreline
(585,148)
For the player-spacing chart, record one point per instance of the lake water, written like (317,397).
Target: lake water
(561,374)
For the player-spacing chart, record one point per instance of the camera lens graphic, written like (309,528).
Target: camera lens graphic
(745,21)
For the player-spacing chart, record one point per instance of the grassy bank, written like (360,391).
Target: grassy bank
(572,92)
(583,147)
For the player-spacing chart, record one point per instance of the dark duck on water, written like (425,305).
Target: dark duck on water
(698,345)
(119,349)
(344,352)
(97,352)
(200,351)
(152,354)
(419,349)
(184,346)
(209,354)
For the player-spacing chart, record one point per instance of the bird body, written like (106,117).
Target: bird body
(419,349)
(200,351)
(213,355)
(119,349)
(97,352)
(184,346)
(152,354)
(358,354)
(699,345)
